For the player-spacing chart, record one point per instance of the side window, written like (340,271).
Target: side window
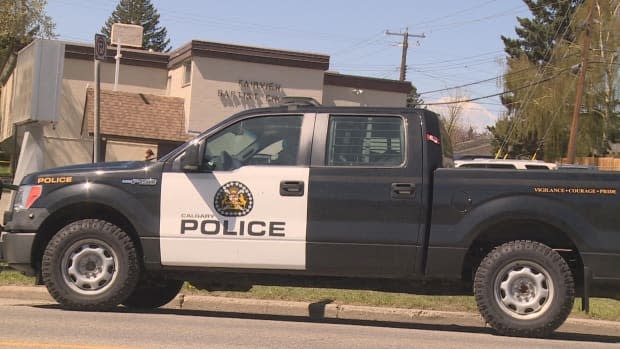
(365,141)
(502,166)
(536,167)
(270,140)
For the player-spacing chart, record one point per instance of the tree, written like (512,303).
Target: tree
(450,111)
(21,21)
(520,147)
(140,12)
(550,24)
(413,98)
(541,82)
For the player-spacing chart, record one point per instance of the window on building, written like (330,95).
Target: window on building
(187,72)
(377,141)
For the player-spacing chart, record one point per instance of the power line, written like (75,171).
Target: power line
(459,86)
(476,82)
(454,14)
(460,59)
(444,26)
(500,93)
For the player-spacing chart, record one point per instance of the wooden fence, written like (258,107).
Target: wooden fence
(603,164)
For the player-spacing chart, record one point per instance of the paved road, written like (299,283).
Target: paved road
(25,324)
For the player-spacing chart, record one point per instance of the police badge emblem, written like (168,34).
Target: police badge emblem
(233,199)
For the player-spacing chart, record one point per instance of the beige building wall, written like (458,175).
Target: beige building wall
(221,88)
(178,88)
(64,151)
(348,96)
(6,98)
(123,151)
(64,140)
(23,74)
(79,74)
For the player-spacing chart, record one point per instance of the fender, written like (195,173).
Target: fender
(450,240)
(144,220)
(550,211)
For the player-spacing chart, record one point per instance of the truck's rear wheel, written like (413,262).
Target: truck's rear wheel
(153,293)
(524,288)
(90,265)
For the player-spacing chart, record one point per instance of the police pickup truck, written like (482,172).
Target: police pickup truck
(358,197)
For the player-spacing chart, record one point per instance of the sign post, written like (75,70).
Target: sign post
(101,47)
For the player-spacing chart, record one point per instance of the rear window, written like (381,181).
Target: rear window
(365,141)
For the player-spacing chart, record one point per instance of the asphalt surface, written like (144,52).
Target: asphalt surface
(29,319)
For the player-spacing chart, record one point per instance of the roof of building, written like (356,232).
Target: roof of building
(363,82)
(250,54)
(130,56)
(137,116)
(197,48)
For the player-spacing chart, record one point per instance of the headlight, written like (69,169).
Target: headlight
(26,196)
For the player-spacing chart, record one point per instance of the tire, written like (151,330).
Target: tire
(543,290)
(153,293)
(90,265)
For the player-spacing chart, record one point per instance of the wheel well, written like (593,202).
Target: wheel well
(76,212)
(511,230)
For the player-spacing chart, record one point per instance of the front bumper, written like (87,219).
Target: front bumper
(17,250)
(17,242)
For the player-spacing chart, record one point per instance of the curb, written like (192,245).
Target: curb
(320,310)
(316,310)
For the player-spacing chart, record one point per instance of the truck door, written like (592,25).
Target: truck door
(246,206)
(364,195)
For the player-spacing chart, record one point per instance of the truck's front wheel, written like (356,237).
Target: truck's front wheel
(90,265)
(524,288)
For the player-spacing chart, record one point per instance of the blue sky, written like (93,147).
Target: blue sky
(462,43)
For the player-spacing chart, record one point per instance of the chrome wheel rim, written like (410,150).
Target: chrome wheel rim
(524,290)
(89,267)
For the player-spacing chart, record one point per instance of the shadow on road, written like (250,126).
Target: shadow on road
(316,311)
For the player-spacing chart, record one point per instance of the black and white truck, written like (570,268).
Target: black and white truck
(310,195)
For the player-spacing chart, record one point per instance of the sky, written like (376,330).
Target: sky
(461,45)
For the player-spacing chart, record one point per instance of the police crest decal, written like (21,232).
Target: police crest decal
(233,199)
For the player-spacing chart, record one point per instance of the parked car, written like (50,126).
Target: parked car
(506,164)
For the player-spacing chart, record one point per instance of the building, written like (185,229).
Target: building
(162,99)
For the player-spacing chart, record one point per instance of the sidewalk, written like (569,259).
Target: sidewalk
(321,310)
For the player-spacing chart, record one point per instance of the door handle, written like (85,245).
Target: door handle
(402,190)
(292,188)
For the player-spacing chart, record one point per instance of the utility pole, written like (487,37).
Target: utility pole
(403,60)
(572,140)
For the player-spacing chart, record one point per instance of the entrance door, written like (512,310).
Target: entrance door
(247,208)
